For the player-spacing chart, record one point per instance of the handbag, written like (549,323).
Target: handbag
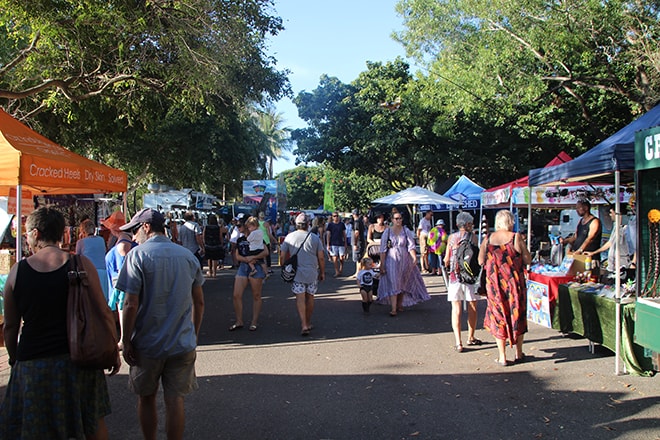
(90,322)
(290,266)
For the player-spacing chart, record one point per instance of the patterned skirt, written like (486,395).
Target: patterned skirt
(53,399)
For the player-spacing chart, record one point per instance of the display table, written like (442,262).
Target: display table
(594,317)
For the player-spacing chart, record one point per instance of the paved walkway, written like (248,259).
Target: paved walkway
(376,377)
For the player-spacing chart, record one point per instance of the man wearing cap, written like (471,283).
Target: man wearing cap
(162,315)
(311,268)
(423,229)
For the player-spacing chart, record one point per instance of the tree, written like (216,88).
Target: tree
(158,87)
(351,126)
(276,137)
(578,69)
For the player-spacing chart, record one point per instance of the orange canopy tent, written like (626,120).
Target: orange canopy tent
(42,167)
(31,164)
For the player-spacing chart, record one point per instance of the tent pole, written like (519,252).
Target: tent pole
(529,220)
(481,216)
(19,223)
(617,273)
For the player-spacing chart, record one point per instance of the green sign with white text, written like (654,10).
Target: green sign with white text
(647,149)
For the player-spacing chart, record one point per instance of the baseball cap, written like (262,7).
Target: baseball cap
(302,218)
(147,215)
(355,212)
(440,222)
(239,216)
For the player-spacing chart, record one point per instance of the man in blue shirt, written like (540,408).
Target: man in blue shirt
(162,315)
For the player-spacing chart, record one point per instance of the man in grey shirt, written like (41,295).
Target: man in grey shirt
(311,268)
(190,236)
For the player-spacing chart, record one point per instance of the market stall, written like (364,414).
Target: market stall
(647,167)
(610,161)
(31,165)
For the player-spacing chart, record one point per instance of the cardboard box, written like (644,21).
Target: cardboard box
(572,264)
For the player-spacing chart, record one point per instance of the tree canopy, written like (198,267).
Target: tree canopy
(162,87)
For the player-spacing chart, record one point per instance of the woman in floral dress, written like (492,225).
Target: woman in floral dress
(401,284)
(504,255)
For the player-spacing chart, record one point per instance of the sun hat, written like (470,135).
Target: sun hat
(440,222)
(302,219)
(114,221)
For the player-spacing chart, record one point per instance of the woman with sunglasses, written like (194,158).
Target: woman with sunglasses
(401,283)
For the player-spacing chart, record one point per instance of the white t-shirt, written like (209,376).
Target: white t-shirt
(256,240)
(424,226)
(366,277)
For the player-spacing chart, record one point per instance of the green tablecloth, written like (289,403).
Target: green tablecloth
(594,317)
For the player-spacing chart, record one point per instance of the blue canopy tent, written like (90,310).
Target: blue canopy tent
(464,191)
(611,157)
(616,153)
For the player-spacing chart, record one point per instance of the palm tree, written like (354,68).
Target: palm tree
(276,137)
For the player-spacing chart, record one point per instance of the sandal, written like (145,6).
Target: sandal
(474,341)
(253,327)
(502,364)
(235,327)
(305,332)
(458,348)
(520,360)
(393,314)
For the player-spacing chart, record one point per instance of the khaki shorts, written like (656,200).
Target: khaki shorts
(177,373)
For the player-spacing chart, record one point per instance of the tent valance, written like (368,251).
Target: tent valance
(44,167)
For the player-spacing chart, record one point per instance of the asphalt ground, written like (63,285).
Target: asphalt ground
(373,376)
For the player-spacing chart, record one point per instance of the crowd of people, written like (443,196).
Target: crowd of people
(152,273)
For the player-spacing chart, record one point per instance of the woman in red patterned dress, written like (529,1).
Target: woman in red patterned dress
(503,255)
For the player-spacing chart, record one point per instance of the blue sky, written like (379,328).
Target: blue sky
(333,37)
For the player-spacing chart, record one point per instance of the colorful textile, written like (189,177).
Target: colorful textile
(401,274)
(437,241)
(506,314)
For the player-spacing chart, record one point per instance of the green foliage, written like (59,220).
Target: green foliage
(159,88)
(581,69)
(352,190)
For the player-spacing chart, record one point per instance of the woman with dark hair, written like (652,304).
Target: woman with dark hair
(48,396)
(213,244)
(401,283)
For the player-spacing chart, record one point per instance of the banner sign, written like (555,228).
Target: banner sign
(647,149)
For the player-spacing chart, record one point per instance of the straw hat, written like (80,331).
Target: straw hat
(115,220)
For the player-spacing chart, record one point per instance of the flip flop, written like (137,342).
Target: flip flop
(235,327)
(474,341)
(253,327)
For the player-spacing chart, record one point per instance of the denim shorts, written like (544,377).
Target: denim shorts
(244,270)
(337,251)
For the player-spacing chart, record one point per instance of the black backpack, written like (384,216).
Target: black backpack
(467,261)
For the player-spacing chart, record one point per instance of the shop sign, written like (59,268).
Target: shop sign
(647,149)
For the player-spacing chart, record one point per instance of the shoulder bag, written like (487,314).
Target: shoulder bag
(91,325)
(290,266)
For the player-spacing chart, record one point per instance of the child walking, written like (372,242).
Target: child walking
(256,240)
(365,280)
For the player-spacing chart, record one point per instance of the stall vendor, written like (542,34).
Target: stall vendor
(589,231)
(621,246)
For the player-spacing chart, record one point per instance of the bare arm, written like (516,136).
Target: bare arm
(131,304)
(320,256)
(198,307)
(522,249)
(12,317)
(482,252)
